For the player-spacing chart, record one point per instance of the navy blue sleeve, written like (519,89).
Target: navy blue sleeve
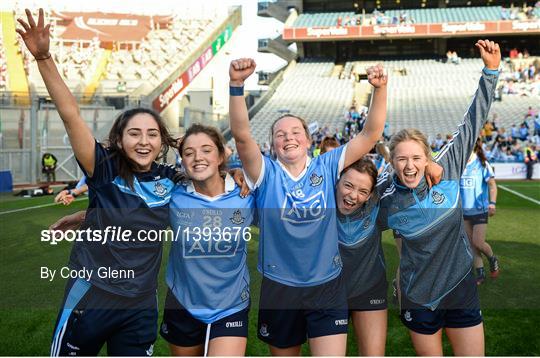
(104,171)
(454,155)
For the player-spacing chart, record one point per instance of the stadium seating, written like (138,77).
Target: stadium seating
(310,92)
(456,14)
(158,55)
(433,96)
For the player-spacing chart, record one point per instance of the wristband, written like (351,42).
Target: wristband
(492,203)
(236,91)
(44,58)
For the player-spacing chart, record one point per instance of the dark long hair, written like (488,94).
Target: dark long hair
(366,166)
(213,134)
(127,167)
(480,152)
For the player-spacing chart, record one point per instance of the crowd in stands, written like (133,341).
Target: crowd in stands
(520,13)
(500,144)
(378,17)
(152,59)
(504,144)
(520,77)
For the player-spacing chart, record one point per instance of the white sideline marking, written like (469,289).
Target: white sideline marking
(519,194)
(31,207)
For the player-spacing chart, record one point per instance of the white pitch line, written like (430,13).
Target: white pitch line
(31,208)
(519,194)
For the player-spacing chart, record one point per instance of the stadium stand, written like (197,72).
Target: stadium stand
(456,14)
(427,94)
(86,66)
(308,91)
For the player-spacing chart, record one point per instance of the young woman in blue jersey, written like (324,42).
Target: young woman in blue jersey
(437,287)
(479,196)
(360,234)
(208,299)
(364,273)
(302,296)
(128,191)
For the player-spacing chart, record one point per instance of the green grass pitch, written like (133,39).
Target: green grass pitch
(510,304)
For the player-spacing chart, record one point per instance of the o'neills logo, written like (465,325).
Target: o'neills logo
(165,97)
(383,30)
(524,26)
(466,27)
(329,31)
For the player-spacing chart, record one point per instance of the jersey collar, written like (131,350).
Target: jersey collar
(308,162)
(229,186)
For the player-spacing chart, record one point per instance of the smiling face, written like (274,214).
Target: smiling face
(353,190)
(290,140)
(410,161)
(141,140)
(201,157)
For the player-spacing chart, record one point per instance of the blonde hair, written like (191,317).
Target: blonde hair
(410,134)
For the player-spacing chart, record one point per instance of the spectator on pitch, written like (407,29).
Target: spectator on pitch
(48,166)
(67,196)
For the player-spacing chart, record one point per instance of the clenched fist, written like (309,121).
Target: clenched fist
(240,70)
(377,76)
(490,53)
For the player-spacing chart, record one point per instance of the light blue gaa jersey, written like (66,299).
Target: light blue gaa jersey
(207,270)
(474,188)
(297,220)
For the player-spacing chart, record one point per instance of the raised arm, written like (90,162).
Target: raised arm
(248,150)
(455,154)
(374,127)
(36,39)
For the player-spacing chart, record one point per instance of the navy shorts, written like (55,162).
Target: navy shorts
(180,328)
(372,300)
(476,219)
(459,309)
(91,317)
(289,315)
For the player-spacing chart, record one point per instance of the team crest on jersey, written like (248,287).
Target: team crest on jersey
(264,330)
(308,210)
(244,295)
(315,179)
(337,261)
(159,189)
(367,222)
(403,220)
(438,198)
(237,218)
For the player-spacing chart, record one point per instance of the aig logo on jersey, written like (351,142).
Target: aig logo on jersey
(302,211)
(467,182)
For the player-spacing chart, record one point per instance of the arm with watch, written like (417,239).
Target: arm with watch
(67,196)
